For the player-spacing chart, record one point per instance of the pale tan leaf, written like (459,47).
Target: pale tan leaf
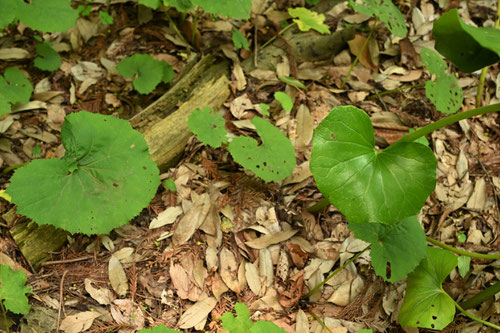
(218,286)
(301,322)
(252,278)
(197,313)
(192,220)
(13,53)
(180,280)
(477,200)
(228,270)
(266,266)
(168,216)
(117,276)
(304,127)
(78,322)
(101,295)
(125,311)
(266,240)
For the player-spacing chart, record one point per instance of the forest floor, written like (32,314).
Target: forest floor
(166,278)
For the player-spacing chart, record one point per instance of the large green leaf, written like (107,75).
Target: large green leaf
(273,160)
(243,324)
(426,304)
(8,12)
(386,12)
(444,92)
(104,180)
(233,8)
(48,15)
(468,47)
(13,290)
(401,245)
(367,185)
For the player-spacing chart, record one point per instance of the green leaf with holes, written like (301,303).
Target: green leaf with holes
(208,126)
(15,87)
(400,246)
(307,19)
(365,184)
(386,12)
(13,290)
(146,71)
(468,47)
(239,40)
(104,180)
(273,160)
(285,100)
(48,15)
(158,329)
(48,59)
(444,92)
(426,304)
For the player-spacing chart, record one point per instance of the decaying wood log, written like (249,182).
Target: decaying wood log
(164,126)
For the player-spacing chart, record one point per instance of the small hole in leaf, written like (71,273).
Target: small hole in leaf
(434,317)
(132,146)
(332,136)
(388,270)
(144,168)
(115,184)
(432,305)
(418,322)
(432,325)
(105,120)
(265,163)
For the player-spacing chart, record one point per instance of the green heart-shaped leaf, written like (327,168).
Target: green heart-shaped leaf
(444,92)
(47,15)
(273,160)
(15,87)
(468,47)
(426,304)
(208,127)
(148,72)
(13,290)
(401,245)
(105,179)
(48,59)
(367,185)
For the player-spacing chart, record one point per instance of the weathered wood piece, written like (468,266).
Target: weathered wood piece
(164,126)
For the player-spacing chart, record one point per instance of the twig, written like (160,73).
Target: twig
(60,300)
(66,261)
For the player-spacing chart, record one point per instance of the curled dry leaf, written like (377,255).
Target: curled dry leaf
(266,240)
(101,295)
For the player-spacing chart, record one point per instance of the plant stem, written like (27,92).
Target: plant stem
(335,272)
(4,312)
(279,33)
(448,121)
(463,252)
(482,296)
(359,55)
(318,319)
(396,90)
(482,78)
(319,205)
(479,320)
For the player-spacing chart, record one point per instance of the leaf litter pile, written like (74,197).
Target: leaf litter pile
(214,235)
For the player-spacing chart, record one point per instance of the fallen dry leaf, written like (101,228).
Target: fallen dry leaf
(78,322)
(117,276)
(197,313)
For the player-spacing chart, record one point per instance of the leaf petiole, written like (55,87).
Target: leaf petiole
(463,252)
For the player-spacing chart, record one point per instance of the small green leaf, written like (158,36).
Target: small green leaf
(426,304)
(240,324)
(158,329)
(401,245)
(169,184)
(291,81)
(232,8)
(273,160)
(463,265)
(105,18)
(48,59)
(84,10)
(239,40)
(150,72)
(307,20)
(153,4)
(5,106)
(243,324)
(105,179)
(37,150)
(444,92)
(285,100)
(264,108)
(13,290)
(462,237)
(8,12)
(468,47)
(367,185)
(386,12)
(36,15)
(208,127)
(15,87)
